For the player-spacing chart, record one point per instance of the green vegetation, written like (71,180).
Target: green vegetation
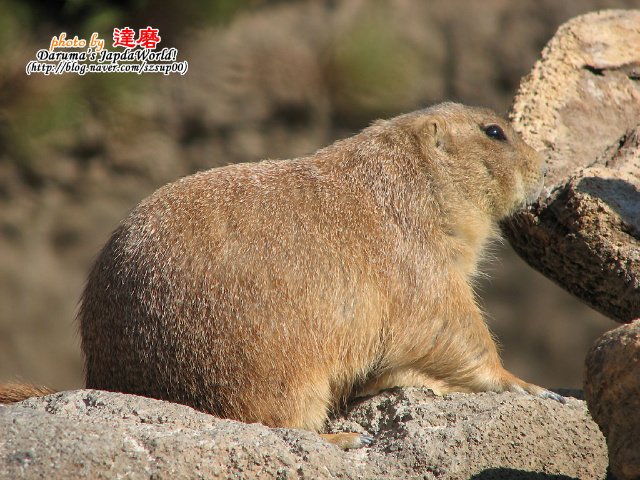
(41,115)
(373,69)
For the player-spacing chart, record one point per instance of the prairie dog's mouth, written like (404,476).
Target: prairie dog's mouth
(535,194)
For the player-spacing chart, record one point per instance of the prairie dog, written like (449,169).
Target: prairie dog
(273,292)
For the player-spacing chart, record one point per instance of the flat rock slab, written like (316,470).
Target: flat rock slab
(96,434)
(580,108)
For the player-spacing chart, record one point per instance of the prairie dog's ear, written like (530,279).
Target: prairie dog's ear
(435,128)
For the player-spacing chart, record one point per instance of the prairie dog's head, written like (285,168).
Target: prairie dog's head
(479,152)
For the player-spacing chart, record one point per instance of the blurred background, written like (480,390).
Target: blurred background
(266,79)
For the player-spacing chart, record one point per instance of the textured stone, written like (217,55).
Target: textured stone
(580,107)
(612,390)
(95,434)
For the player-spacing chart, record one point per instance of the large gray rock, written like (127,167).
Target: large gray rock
(95,434)
(580,107)
(612,389)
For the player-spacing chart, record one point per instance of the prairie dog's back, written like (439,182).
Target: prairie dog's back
(225,285)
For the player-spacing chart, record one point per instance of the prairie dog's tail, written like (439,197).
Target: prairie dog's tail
(13,392)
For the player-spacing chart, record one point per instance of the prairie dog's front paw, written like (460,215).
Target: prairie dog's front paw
(554,396)
(532,389)
(517,385)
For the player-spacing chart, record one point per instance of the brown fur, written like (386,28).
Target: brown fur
(275,291)
(13,392)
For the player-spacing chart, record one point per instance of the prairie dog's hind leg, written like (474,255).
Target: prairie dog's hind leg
(312,415)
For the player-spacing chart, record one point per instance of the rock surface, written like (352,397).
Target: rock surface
(580,107)
(95,434)
(612,389)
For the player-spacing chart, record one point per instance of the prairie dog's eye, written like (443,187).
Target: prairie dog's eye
(495,132)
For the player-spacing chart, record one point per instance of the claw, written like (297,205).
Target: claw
(367,440)
(554,396)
